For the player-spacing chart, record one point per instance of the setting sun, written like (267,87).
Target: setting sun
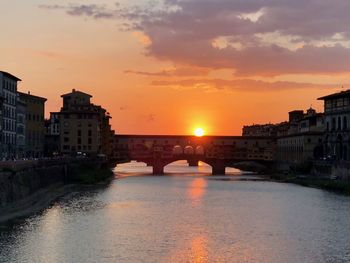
(199,132)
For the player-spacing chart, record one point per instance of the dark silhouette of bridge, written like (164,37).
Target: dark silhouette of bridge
(217,151)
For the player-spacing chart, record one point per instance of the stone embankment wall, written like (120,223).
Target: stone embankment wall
(19,180)
(339,170)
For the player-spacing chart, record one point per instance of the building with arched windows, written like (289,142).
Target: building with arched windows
(337,136)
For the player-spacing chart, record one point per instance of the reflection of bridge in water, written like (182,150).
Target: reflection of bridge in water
(217,151)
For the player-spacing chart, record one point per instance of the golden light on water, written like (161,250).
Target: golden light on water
(199,132)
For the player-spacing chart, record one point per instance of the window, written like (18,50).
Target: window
(79,132)
(345,123)
(89,141)
(79,140)
(66,139)
(90,133)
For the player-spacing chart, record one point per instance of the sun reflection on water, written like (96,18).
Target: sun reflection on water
(197,189)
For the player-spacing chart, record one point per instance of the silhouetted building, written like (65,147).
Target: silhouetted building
(299,140)
(312,122)
(84,127)
(294,118)
(21,129)
(8,90)
(35,127)
(337,136)
(260,130)
(1,124)
(52,135)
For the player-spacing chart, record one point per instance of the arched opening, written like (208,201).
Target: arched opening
(189,150)
(200,150)
(339,147)
(132,168)
(177,150)
(345,153)
(345,123)
(183,167)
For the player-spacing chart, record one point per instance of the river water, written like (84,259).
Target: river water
(187,216)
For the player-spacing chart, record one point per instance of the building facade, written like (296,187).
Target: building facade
(337,135)
(1,125)
(8,90)
(260,130)
(52,135)
(84,127)
(35,126)
(21,129)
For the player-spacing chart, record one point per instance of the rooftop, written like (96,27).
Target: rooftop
(10,75)
(22,94)
(336,95)
(76,91)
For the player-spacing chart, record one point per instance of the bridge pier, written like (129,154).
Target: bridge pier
(218,168)
(193,163)
(158,169)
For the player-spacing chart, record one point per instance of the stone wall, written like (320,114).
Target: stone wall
(19,182)
(16,185)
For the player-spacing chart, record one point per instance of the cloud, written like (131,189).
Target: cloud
(249,28)
(93,10)
(175,72)
(252,38)
(239,85)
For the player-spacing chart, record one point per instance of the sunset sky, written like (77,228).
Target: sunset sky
(166,67)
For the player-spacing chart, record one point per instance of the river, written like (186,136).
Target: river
(185,216)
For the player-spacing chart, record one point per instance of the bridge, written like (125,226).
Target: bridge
(217,151)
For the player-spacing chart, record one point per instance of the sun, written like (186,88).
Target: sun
(199,132)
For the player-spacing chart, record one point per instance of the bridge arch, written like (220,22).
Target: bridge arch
(189,150)
(199,150)
(177,150)
(179,166)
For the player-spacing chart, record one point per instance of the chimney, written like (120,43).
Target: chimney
(73,90)
(28,92)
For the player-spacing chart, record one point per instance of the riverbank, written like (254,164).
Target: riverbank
(44,198)
(29,187)
(337,186)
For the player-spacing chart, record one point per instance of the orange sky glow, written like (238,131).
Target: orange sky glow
(179,65)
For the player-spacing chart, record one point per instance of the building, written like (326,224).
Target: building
(299,148)
(299,140)
(312,122)
(337,135)
(260,130)
(53,124)
(1,124)
(21,129)
(295,117)
(35,126)
(52,135)
(8,90)
(84,127)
